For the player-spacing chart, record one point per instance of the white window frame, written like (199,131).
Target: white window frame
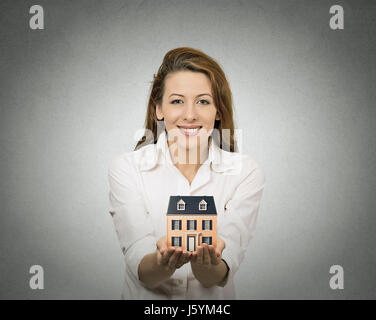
(204,203)
(181,203)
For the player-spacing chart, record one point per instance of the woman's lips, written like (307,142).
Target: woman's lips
(190,132)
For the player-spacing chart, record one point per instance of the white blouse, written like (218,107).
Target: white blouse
(141,183)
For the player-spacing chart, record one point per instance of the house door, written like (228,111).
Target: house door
(191,243)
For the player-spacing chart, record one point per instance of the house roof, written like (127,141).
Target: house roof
(191,205)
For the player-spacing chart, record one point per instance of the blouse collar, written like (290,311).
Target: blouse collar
(218,159)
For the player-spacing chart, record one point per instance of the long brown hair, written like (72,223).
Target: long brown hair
(183,59)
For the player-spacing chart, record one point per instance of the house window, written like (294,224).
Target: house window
(181,205)
(202,205)
(207,240)
(176,241)
(176,225)
(207,225)
(191,224)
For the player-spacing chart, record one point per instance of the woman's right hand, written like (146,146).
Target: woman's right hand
(171,258)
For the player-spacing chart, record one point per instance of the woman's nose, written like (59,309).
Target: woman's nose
(190,111)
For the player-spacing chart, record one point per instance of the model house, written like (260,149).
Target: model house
(191,221)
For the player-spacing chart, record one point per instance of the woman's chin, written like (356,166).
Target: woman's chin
(192,142)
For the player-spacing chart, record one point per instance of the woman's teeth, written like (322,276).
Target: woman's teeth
(190,131)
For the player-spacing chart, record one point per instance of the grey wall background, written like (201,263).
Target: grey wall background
(72,96)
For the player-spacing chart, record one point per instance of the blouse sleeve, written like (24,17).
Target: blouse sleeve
(131,219)
(239,219)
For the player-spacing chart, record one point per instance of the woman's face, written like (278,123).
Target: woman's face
(188,102)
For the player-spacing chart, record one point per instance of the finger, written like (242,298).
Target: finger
(162,250)
(221,245)
(186,256)
(174,258)
(199,255)
(167,254)
(193,257)
(181,260)
(159,257)
(162,243)
(205,255)
(213,255)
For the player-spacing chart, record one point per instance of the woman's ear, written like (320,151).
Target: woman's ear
(217,117)
(158,112)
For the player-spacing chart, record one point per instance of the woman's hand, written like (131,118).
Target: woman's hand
(171,258)
(208,255)
(207,265)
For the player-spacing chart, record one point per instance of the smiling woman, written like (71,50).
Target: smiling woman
(190,121)
(191,156)
(185,78)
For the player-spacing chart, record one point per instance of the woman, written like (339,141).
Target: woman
(187,149)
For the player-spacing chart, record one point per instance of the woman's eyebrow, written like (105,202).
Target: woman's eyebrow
(202,94)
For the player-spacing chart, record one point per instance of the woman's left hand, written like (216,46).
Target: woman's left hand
(207,255)
(207,265)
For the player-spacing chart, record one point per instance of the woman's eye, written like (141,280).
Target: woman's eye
(178,101)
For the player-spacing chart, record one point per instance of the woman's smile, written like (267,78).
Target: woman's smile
(190,130)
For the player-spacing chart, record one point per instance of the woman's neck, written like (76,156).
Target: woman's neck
(189,159)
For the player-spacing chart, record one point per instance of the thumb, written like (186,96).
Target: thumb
(161,244)
(220,246)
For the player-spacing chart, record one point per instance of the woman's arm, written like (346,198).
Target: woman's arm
(240,216)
